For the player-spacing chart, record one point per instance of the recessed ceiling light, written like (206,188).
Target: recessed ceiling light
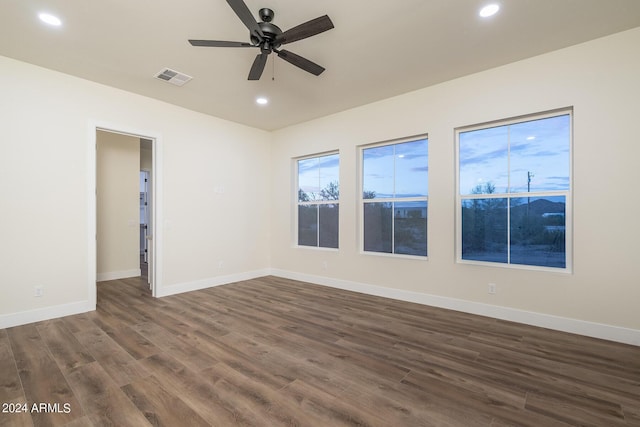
(489,10)
(47,18)
(262,101)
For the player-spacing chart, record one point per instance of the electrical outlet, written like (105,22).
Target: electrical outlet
(325,266)
(492,288)
(38,291)
(220,265)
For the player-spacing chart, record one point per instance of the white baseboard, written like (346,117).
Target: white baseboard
(115,275)
(25,317)
(37,315)
(580,327)
(211,282)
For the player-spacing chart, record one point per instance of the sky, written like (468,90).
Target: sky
(505,156)
(316,173)
(398,170)
(408,162)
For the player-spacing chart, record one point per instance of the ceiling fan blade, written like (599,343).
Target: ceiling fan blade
(219,43)
(245,15)
(300,62)
(258,66)
(308,29)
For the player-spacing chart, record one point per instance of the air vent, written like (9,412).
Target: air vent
(172,76)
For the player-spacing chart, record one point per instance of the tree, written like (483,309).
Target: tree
(488,188)
(483,220)
(331,191)
(368,194)
(303,196)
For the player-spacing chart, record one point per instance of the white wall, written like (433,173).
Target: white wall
(45,232)
(223,220)
(118,205)
(601,81)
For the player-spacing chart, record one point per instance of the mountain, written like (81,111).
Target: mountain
(538,207)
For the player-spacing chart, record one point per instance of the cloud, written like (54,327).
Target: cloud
(483,157)
(329,161)
(377,176)
(324,162)
(378,152)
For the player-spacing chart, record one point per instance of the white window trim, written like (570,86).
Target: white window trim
(296,203)
(362,200)
(568,269)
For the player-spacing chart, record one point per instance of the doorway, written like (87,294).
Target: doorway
(147,167)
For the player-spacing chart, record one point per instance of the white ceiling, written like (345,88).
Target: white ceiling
(377,49)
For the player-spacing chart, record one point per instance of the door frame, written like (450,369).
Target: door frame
(156,203)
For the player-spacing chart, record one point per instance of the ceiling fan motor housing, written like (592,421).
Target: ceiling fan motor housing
(269,30)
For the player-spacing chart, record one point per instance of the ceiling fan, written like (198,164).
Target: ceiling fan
(269,37)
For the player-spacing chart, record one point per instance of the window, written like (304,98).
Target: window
(514,191)
(394,198)
(318,201)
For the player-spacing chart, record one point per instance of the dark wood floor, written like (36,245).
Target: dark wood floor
(272,351)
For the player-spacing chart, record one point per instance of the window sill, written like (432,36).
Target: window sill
(316,248)
(559,270)
(397,256)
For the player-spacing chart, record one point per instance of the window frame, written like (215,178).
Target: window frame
(568,194)
(362,200)
(297,203)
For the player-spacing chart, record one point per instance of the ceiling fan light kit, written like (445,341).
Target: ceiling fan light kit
(269,38)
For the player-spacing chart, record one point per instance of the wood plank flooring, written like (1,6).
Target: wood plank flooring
(276,352)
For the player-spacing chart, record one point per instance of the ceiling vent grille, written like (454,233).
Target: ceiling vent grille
(172,76)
